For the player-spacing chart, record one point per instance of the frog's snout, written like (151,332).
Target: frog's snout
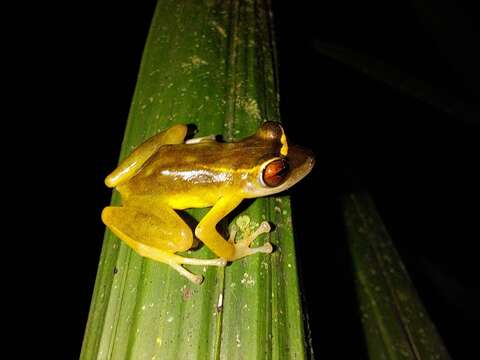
(301,159)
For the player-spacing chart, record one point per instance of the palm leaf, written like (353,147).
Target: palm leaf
(211,64)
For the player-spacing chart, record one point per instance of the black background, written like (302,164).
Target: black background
(419,164)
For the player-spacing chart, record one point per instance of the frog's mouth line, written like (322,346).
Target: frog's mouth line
(301,162)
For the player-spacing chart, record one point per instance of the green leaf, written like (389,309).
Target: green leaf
(396,324)
(211,64)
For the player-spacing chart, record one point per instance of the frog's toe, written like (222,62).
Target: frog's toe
(176,262)
(196,279)
(242,247)
(241,250)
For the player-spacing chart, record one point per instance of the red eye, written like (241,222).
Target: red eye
(275,172)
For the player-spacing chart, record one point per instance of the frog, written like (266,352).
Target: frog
(167,174)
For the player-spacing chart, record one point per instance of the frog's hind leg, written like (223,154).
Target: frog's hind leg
(129,167)
(156,236)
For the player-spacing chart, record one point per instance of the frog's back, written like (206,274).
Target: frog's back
(206,170)
(209,154)
(184,175)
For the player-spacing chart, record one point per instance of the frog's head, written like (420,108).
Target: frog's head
(279,164)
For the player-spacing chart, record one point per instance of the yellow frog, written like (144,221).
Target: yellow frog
(165,174)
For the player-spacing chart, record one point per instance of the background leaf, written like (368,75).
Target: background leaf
(396,324)
(401,81)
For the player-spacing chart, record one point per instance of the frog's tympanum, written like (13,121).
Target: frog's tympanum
(165,174)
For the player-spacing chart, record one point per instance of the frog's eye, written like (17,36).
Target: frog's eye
(274,172)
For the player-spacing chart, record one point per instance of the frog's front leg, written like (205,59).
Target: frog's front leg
(156,236)
(229,250)
(242,247)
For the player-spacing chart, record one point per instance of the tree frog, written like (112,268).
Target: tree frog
(166,173)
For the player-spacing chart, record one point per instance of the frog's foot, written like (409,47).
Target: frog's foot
(176,261)
(242,247)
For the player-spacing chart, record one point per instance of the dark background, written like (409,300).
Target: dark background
(419,164)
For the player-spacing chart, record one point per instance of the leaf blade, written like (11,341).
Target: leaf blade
(216,72)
